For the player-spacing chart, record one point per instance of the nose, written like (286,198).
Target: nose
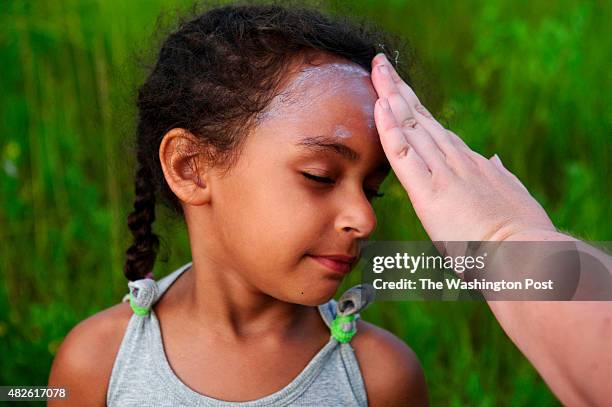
(356,215)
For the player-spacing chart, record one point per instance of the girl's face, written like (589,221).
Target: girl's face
(303,185)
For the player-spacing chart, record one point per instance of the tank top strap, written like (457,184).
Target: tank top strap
(341,316)
(145,292)
(328,312)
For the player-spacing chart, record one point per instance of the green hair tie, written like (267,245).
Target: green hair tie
(141,311)
(343,328)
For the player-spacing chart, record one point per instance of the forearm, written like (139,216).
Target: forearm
(568,342)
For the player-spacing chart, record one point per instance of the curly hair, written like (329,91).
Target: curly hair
(213,75)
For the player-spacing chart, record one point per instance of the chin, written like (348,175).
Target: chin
(315,294)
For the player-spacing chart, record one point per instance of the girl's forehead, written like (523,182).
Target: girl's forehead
(334,100)
(315,88)
(309,75)
(327,79)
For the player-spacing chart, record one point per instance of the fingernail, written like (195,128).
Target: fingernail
(421,109)
(384,103)
(384,57)
(383,69)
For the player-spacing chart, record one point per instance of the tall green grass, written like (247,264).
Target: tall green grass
(525,80)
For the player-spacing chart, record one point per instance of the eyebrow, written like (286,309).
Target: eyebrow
(327,143)
(332,144)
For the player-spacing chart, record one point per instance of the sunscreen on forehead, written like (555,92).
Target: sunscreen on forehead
(313,82)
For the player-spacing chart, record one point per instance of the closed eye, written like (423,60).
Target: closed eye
(371,193)
(324,180)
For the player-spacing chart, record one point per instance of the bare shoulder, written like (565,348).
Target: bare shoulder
(391,371)
(84,361)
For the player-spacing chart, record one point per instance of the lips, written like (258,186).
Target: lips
(337,263)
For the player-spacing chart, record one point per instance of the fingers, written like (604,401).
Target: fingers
(458,141)
(416,134)
(410,169)
(454,150)
(441,149)
(388,83)
(463,148)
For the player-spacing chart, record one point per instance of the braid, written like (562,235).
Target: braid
(141,255)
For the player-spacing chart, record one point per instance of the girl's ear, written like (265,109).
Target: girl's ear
(181,161)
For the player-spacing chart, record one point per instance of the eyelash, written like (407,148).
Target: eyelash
(326,180)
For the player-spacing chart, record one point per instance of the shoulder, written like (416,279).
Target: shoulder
(391,371)
(84,361)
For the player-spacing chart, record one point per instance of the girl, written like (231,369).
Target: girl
(256,124)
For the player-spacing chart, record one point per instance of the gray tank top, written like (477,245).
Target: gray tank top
(142,376)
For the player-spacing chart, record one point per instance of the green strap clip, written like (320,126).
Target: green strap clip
(343,328)
(140,311)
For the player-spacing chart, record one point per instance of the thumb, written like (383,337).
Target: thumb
(497,162)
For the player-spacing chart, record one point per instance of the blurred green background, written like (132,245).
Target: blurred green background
(525,80)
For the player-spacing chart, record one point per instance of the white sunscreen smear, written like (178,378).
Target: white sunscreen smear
(302,91)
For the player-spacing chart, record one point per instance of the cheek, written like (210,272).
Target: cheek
(267,230)
(266,220)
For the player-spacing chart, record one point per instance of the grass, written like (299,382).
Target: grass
(527,81)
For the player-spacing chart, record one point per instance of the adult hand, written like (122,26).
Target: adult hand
(457,193)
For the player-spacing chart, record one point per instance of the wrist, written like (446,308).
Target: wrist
(521,229)
(539,235)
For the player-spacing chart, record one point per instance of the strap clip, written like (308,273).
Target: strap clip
(355,299)
(343,328)
(143,294)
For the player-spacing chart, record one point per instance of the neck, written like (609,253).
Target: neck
(218,299)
